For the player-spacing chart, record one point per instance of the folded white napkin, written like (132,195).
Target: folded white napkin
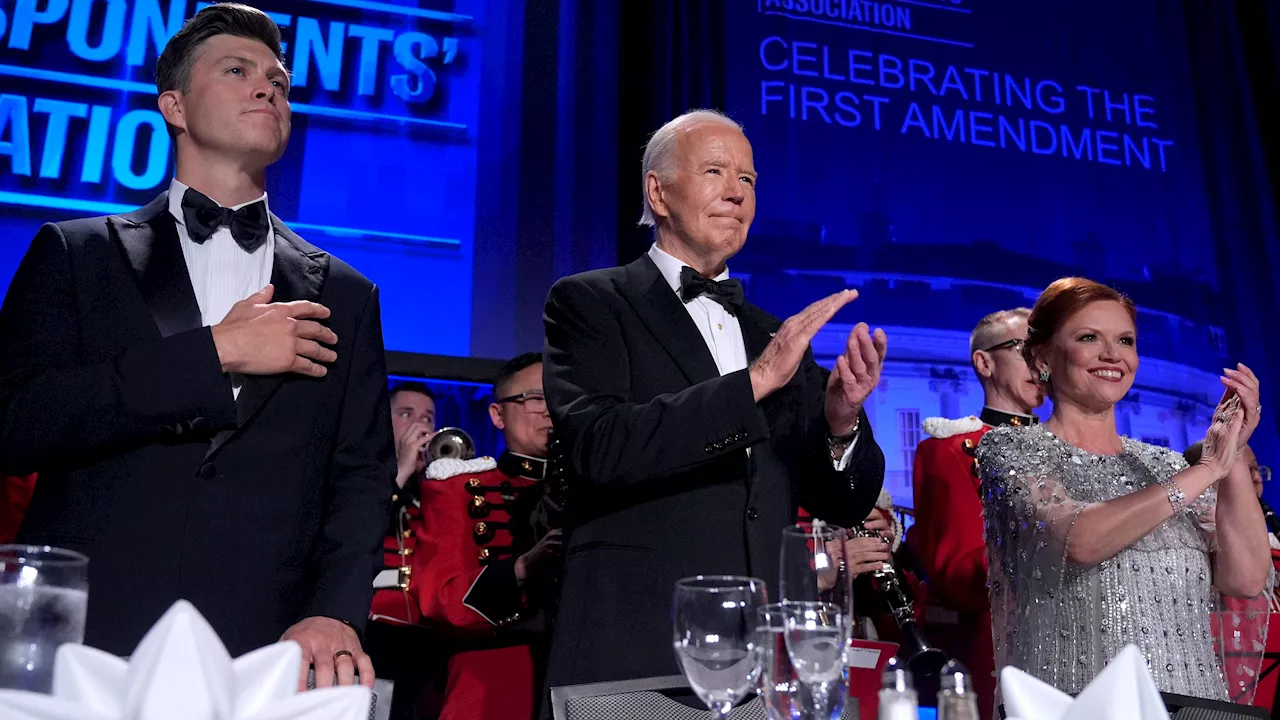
(182,670)
(1123,690)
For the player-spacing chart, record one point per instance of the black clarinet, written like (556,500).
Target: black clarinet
(915,651)
(556,480)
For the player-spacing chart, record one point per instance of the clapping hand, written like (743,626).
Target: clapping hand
(1223,439)
(856,374)
(781,357)
(1242,383)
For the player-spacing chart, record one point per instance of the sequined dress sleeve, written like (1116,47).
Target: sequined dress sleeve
(1063,622)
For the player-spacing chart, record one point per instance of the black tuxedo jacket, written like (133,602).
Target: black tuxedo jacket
(666,488)
(261,510)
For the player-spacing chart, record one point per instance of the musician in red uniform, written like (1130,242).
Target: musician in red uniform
(479,574)
(947,537)
(402,651)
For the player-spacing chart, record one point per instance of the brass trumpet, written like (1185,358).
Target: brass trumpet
(450,442)
(914,650)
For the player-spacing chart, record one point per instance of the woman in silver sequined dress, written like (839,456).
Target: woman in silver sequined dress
(1097,541)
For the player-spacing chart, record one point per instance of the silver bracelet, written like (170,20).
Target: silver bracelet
(1177,498)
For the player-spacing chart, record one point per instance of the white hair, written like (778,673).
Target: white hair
(659,152)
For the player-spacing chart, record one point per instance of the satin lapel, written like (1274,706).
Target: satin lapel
(149,239)
(297,273)
(758,328)
(661,310)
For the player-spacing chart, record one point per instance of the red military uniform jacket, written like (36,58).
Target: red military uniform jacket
(474,525)
(949,541)
(392,603)
(15,496)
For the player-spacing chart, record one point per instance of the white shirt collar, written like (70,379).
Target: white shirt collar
(670,267)
(178,189)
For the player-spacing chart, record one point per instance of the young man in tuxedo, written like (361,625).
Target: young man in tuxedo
(696,421)
(202,391)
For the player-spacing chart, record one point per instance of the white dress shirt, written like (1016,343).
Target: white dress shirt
(719,328)
(222,273)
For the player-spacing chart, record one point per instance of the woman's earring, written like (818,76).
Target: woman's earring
(1044,375)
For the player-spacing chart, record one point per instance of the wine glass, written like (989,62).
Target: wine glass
(813,566)
(780,687)
(815,635)
(715,637)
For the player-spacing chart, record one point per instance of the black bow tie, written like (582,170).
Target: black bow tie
(249,225)
(726,292)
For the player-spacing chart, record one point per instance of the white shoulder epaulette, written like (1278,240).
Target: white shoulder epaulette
(940,428)
(885,502)
(445,468)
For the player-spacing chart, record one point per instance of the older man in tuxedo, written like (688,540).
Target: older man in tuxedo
(202,391)
(695,422)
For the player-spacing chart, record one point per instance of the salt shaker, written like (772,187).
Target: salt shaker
(956,699)
(898,700)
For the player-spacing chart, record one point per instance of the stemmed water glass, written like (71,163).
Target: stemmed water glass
(816,635)
(813,566)
(715,637)
(816,590)
(781,691)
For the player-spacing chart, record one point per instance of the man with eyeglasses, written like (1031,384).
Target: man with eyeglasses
(1262,474)
(947,537)
(483,571)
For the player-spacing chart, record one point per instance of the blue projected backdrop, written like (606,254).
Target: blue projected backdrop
(381,168)
(1065,132)
(950,158)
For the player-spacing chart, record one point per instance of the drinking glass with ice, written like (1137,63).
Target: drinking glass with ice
(44,592)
